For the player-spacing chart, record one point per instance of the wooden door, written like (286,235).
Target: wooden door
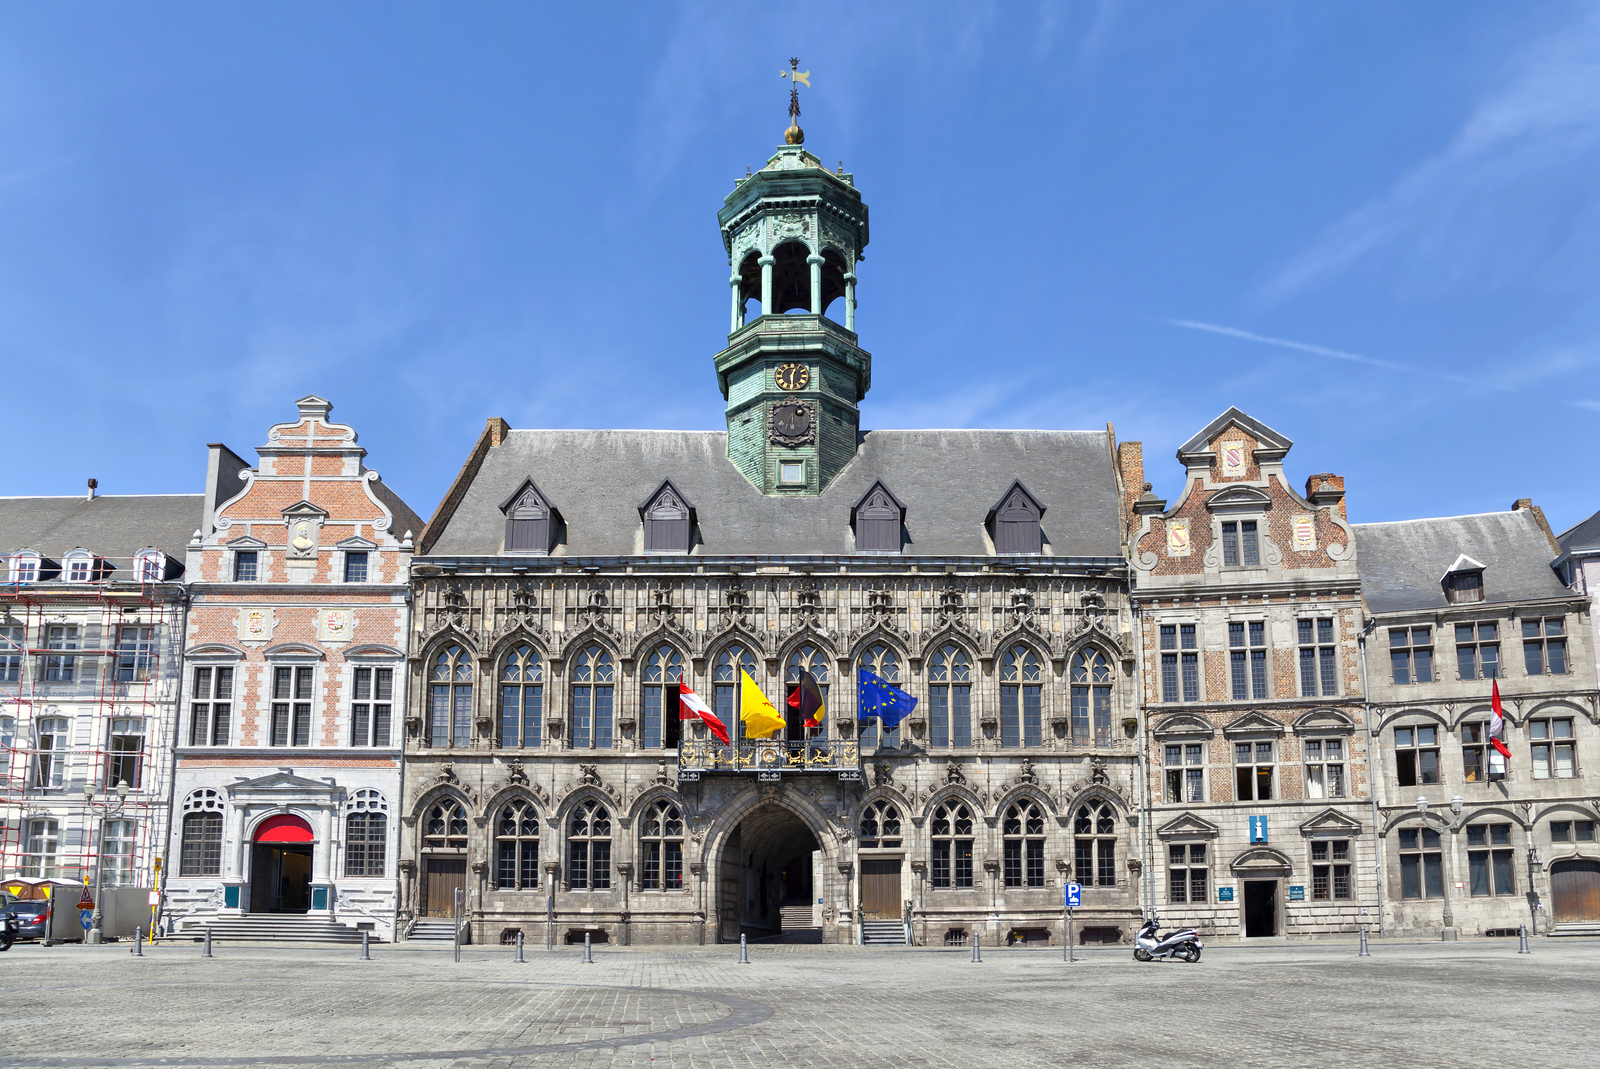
(728,910)
(1575,890)
(445,875)
(880,889)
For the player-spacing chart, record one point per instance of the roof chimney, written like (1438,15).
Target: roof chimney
(94,484)
(1526,504)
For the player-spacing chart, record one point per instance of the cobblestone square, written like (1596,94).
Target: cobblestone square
(1469,1004)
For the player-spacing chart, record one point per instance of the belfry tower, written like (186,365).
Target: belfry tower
(791,375)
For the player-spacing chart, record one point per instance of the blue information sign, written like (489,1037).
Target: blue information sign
(86,918)
(1224,894)
(1297,893)
(1074,895)
(1258,829)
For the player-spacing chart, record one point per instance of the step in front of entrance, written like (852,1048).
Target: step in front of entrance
(275,928)
(1577,928)
(432,932)
(883,933)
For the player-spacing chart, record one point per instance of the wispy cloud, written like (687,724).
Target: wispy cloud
(1489,201)
(1592,406)
(1285,343)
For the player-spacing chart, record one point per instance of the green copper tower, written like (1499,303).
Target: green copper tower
(793,376)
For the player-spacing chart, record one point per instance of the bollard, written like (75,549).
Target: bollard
(744,951)
(1364,953)
(977,955)
(365,955)
(1522,940)
(205,951)
(137,950)
(519,959)
(588,953)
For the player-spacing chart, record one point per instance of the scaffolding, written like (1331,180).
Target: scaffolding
(124,666)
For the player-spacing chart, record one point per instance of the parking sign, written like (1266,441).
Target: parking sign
(1074,895)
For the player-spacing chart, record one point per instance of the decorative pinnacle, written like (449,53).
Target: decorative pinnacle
(797,77)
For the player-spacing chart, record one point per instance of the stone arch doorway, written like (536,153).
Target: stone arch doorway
(280,865)
(769,878)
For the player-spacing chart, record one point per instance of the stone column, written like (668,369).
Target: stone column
(816,283)
(322,858)
(850,301)
(766,263)
(235,869)
(736,314)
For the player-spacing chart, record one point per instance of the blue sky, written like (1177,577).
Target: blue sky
(1374,226)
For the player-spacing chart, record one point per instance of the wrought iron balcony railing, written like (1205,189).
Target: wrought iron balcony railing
(769,759)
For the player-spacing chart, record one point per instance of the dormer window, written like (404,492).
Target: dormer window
(1463,583)
(878,518)
(84,567)
(149,566)
(25,568)
(530,521)
(668,520)
(1014,522)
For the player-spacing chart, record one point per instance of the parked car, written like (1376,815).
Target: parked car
(30,918)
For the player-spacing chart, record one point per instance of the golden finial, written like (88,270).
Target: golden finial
(797,77)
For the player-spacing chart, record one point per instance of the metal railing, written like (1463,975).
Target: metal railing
(770,755)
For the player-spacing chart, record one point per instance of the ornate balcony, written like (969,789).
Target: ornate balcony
(769,759)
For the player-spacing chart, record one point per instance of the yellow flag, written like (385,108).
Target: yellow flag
(761,720)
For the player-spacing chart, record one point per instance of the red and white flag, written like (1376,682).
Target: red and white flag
(690,707)
(1497,723)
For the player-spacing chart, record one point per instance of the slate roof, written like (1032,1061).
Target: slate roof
(1402,563)
(112,526)
(1581,536)
(948,481)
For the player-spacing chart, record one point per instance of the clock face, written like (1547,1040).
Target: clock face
(791,419)
(792,376)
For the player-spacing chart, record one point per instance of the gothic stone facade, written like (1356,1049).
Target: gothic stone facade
(1458,604)
(288,763)
(1249,608)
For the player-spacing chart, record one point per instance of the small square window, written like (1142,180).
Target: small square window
(244,566)
(355,567)
(791,472)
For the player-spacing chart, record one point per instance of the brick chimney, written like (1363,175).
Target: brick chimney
(1327,489)
(1526,503)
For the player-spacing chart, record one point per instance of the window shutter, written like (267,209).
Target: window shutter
(666,523)
(878,524)
(528,523)
(1016,524)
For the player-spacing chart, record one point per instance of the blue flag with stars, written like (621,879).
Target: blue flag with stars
(882,699)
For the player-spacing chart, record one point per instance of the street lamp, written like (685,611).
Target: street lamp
(1456,803)
(1422,804)
(107,809)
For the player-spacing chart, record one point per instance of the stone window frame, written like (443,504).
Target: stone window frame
(58,667)
(289,705)
(1180,774)
(1022,841)
(1323,659)
(443,826)
(592,674)
(594,840)
(50,761)
(1243,547)
(1541,731)
(1189,867)
(1184,656)
(366,811)
(881,825)
(1422,852)
(885,660)
(126,727)
(1324,763)
(660,680)
(1331,861)
(1083,677)
(450,674)
(521,669)
(37,861)
(220,695)
(522,812)
(949,677)
(1492,857)
(1256,764)
(661,850)
(950,815)
(1017,688)
(1094,847)
(1414,652)
(1474,647)
(1249,654)
(1416,746)
(203,813)
(1538,643)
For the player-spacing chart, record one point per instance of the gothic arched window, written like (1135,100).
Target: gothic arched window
(661,848)
(951,830)
(450,702)
(805,659)
(446,826)
(589,848)
(1023,836)
(516,844)
(521,698)
(884,662)
(592,685)
(366,834)
(880,825)
(1020,690)
(658,697)
(730,662)
(1091,695)
(1094,832)
(949,698)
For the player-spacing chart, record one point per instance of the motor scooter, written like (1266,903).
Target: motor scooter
(1149,944)
(9,930)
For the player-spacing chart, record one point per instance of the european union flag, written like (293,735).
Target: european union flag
(882,699)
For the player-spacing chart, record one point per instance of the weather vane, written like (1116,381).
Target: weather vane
(797,77)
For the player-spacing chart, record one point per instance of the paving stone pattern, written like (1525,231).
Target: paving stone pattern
(416,1008)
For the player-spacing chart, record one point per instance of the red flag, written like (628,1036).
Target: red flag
(690,707)
(1497,722)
